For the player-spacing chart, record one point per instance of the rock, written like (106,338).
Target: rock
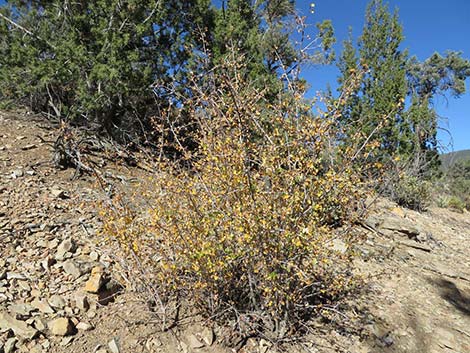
(47,263)
(403,226)
(43,306)
(84,326)
(96,280)
(415,245)
(194,342)
(46,345)
(153,343)
(66,341)
(21,310)
(17,174)
(264,345)
(14,275)
(29,147)
(40,324)
(24,286)
(56,301)
(81,302)
(3,298)
(72,269)
(20,328)
(91,314)
(208,336)
(36,349)
(339,245)
(61,327)
(67,246)
(10,345)
(398,211)
(59,193)
(52,244)
(114,346)
(94,256)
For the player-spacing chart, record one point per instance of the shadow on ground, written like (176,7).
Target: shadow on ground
(453,295)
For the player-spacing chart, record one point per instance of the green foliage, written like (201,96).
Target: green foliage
(456,203)
(435,76)
(378,102)
(411,192)
(261,31)
(94,62)
(408,133)
(458,181)
(115,65)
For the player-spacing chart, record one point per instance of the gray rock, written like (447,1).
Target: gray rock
(94,256)
(84,326)
(40,324)
(56,301)
(81,302)
(52,244)
(42,305)
(59,193)
(67,246)
(20,328)
(72,269)
(339,245)
(15,275)
(400,225)
(208,336)
(66,341)
(194,342)
(21,310)
(114,346)
(10,345)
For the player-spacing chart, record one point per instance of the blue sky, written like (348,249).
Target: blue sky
(429,26)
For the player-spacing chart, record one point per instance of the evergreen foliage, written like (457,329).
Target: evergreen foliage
(94,61)
(390,79)
(378,102)
(435,76)
(114,65)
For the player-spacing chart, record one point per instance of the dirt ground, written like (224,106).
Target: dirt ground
(416,266)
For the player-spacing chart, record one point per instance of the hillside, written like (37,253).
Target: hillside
(416,268)
(451,158)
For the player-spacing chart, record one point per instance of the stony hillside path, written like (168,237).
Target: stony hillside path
(420,300)
(417,265)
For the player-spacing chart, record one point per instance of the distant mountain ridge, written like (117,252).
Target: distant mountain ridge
(448,159)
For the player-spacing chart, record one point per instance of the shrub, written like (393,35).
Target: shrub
(458,180)
(456,204)
(245,226)
(411,191)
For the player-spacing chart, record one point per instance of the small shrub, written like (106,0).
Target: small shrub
(411,192)
(456,204)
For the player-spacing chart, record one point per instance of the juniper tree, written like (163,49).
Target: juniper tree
(96,61)
(437,75)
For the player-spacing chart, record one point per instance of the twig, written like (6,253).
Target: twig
(27,31)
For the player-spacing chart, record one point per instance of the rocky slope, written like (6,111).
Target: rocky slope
(62,289)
